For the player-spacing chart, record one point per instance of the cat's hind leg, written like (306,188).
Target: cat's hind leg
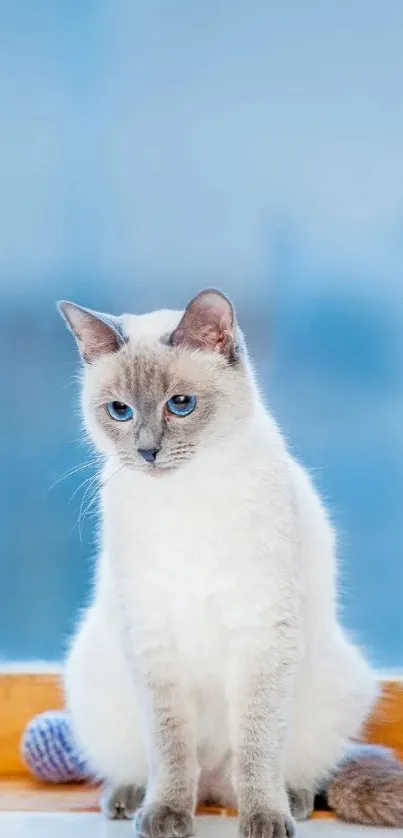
(332,699)
(103,706)
(301,803)
(121,802)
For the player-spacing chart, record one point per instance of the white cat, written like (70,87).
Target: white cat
(210,664)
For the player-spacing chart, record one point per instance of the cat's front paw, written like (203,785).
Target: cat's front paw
(121,802)
(266,824)
(157,820)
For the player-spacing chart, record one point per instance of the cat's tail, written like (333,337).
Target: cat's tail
(367,787)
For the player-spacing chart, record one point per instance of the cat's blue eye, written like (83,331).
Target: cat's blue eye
(181,405)
(119,411)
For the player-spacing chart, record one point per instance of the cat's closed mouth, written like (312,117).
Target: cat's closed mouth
(159,471)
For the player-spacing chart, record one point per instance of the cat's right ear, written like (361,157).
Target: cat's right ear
(96,334)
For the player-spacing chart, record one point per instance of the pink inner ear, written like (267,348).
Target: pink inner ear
(208,323)
(211,336)
(94,335)
(99,341)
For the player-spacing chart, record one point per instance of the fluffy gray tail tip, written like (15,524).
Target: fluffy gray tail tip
(367,788)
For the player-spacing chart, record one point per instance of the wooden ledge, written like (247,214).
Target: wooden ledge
(24,794)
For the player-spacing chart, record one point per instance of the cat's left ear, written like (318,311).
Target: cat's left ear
(96,334)
(209,322)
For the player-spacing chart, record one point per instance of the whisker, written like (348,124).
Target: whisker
(83,513)
(81,485)
(91,482)
(95,461)
(74,470)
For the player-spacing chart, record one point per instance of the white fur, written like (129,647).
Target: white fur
(203,561)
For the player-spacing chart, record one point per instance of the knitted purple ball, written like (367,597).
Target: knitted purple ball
(49,751)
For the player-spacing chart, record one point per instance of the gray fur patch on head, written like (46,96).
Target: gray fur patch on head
(131,360)
(145,376)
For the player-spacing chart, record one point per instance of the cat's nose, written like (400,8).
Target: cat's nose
(148,454)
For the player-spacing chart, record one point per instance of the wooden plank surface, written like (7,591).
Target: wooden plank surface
(23,794)
(21,698)
(385,725)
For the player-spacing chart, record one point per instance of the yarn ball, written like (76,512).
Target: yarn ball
(49,751)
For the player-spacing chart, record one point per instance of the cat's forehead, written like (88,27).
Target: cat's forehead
(152,326)
(147,364)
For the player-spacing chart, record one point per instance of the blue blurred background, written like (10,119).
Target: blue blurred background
(151,148)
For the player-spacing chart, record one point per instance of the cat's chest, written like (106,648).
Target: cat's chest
(188,554)
(195,571)
(182,543)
